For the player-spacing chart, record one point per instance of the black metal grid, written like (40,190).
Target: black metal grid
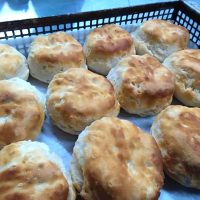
(189,18)
(175,11)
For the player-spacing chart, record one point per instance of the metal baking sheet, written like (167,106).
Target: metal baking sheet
(62,143)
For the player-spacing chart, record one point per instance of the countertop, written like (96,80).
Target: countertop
(24,9)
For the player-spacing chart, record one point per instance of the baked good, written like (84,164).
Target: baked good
(105,46)
(28,170)
(54,53)
(113,159)
(13,63)
(77,97)
(142,85)
(176,130)
(160,38)
(22,111)
(185,65)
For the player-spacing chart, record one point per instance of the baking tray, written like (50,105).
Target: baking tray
(20,34)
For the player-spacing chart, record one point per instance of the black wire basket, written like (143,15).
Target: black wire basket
(176,11)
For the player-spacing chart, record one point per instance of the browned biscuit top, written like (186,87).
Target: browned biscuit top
(24,179)
(121,162)
(185,65)
(188,60)
(181,134)
(57,48)
(176,130)
(165,32)
(109,40)
(21,114)
(11,61)
(148,73)
(79,92)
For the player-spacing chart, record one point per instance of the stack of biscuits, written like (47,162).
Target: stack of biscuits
(113,159)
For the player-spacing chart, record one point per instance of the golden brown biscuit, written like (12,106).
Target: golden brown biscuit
(105,46)
(13,63)
(143,86)
(77,97)
(113,159)
(160,38)
(29,171)
(22,111)
(176,130)
(57,52)
(185,65)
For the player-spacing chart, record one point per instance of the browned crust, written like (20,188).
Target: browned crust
(87,96)
(143,69)
(57,49)
(25,114)
(179,137)
(185,65)
(109,40)
(154,89)
(106,174)
(18,181)
(165,32)
(188,59)
(11,61)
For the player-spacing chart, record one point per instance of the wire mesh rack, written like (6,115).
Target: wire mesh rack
(176,11)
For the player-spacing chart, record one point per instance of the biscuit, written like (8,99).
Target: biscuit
(160,38)
(185,65)
(54,53)
(176,130)
(13,63)
(105,46)
(142,85)
(113,159)
(77,97)
(28,170)
(22,111)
